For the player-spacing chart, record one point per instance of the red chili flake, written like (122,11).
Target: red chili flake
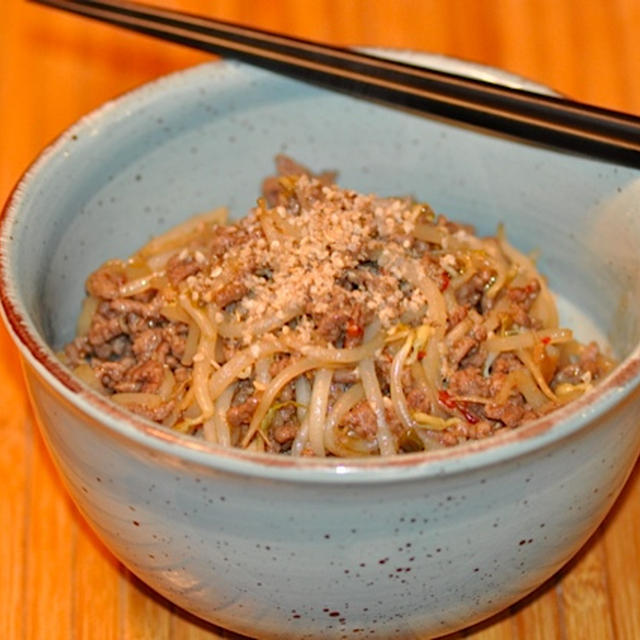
(450,403)
(354,330)
(532,287)
(471,418)
(444,281)
(545,340)
(446,399)
(421,354)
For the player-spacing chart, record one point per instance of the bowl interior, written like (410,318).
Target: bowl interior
(206,137)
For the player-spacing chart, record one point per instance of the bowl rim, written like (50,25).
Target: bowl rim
(154,438)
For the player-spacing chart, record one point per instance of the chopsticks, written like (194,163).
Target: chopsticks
(544,120)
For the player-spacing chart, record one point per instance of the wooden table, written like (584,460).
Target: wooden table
(56,579)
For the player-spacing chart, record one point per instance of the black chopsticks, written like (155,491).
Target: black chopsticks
(556,122)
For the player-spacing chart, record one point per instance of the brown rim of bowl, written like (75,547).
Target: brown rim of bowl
(619,382)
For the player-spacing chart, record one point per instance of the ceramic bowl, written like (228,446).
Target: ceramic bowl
(275,547)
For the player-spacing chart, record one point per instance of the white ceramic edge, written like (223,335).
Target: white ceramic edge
(471,455)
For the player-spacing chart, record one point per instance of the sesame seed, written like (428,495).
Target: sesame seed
(255,350)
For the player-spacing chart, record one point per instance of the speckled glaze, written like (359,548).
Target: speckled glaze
(279,548)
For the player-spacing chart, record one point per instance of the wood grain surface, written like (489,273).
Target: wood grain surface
(56,579)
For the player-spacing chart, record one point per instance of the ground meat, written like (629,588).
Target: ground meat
(449,438)
(590,359)
(510,413)
(476,355)
(476,358)
(231,292)
(224,238)
(589,363)
(524,296)
(478,332)
(362,277)
(120,346)
(156,414)
(362,420)
(145,378)
(105,282)
(112,372)
(457,316)
(103,329)
(272,190)
(77,351)
(331,325)
(383,373)
(433,268)
(103,351)
(242,413)
(285,166)
(394,423)
(136,324)
(461,432)
(505,363)
(418,400)
(285,433)
(175,336)
(464,431)
(469,382)
(181,267)
(280,362)
(470,293)
(460,349)
(285,414)
(342,324)
(284,427)
(480,430)
(146,343)
(288,394)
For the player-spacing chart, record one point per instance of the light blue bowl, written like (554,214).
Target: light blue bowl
(280,548)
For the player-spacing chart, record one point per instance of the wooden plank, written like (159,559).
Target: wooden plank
(15,470)
(628,50)
(188,627)
(97,587)
(586,605)
(146,615)
(621,540)
(537,617)
(500,627)
(50,541)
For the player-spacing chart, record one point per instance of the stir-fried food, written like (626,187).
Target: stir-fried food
(329,322)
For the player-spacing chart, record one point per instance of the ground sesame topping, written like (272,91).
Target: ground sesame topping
(313,255)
